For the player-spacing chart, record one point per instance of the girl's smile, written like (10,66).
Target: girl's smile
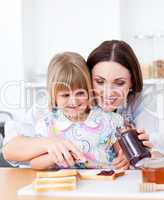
(73,103)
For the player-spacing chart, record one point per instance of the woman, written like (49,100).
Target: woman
(118,86)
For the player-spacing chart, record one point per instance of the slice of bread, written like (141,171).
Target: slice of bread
(67,179)
(59,173)
(95,175)
(54,187)
(55,180)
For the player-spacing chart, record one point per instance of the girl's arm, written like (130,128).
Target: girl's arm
(42,162)
(22,148)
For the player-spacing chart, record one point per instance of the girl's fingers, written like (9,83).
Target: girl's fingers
(120,162)
(75,152)
(119,158)
(57,155)
(124,164)
(67,155)
(68,158)
(53,156)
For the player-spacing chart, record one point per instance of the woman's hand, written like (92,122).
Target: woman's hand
(120,162)
(144,137)
(156,154)
(63,152)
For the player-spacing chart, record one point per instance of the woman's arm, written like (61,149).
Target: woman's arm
(146,118)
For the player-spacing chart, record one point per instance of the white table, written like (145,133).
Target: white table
(125,187)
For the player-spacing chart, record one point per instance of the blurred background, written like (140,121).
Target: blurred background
(32,31)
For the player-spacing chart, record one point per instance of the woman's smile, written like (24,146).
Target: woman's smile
(111,82)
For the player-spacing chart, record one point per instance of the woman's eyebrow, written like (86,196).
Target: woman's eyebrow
(121,78)
(97,76)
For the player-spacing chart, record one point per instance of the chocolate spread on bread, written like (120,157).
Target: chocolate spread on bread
(106,173)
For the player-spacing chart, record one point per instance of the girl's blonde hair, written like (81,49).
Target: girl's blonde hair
(67,71)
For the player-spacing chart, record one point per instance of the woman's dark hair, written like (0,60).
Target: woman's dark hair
(122,53)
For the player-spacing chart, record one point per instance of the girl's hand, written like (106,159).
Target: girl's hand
(144,137)
(63,152)
(121,161)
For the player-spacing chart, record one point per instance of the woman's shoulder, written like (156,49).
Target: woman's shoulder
(142,100)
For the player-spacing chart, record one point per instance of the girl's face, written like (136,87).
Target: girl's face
(111,83)
(74,103)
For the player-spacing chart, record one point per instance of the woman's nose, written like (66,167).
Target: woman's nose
(108,89)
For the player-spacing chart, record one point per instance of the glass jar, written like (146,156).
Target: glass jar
(132,147)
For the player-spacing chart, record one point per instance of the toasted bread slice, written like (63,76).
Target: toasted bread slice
(67,179)
(94,176)
(54,187)
(59,173)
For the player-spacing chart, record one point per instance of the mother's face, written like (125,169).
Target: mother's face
(111,83)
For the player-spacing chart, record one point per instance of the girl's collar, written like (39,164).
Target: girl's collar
(62,122)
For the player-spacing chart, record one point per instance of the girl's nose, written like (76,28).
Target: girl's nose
(72,100)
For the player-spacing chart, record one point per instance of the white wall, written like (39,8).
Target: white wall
(66,25)
(32,31)
(11,58)
(143,17)
(28,29)
(146,18)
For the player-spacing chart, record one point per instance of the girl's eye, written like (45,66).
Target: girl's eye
(81,93)
(65,95)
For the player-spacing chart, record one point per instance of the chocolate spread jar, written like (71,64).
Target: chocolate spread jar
(132,147)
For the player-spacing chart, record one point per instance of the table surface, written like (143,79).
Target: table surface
(12,179)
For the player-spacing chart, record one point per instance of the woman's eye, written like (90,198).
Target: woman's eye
(120,83)
(100,82)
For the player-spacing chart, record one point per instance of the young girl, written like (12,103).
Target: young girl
(72,119)
(72,113)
